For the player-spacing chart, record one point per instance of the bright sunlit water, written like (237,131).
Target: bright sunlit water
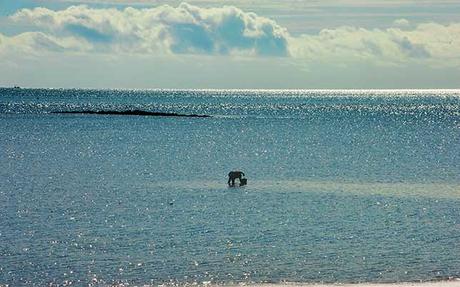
(343,187)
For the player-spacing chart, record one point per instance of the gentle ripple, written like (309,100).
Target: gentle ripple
(344,187)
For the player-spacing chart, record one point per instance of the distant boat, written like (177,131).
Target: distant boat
(17,87)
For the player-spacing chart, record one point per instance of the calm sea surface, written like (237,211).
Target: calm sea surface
(343,187)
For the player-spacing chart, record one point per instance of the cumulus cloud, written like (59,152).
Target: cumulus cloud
(401,22)
(182,29)
(426,42)
(34,43)
(189,29)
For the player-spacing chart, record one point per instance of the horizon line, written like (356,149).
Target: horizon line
(237,89)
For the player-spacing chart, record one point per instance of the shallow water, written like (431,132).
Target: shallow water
(343,186)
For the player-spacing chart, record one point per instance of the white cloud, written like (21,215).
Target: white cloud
(189,29)
(401,23)
(431,43)
(34,42)
(165,29)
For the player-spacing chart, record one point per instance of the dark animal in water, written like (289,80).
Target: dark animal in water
(234,175)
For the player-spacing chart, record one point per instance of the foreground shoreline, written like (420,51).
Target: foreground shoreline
(441,283)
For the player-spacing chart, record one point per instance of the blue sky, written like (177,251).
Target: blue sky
(230,44)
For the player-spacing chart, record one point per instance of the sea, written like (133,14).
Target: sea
(344,187)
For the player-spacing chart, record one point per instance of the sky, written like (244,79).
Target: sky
(284,44)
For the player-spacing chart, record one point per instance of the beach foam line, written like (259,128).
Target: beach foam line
(439,283)
(445,283)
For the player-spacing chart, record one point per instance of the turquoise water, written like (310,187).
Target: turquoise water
(343,187)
